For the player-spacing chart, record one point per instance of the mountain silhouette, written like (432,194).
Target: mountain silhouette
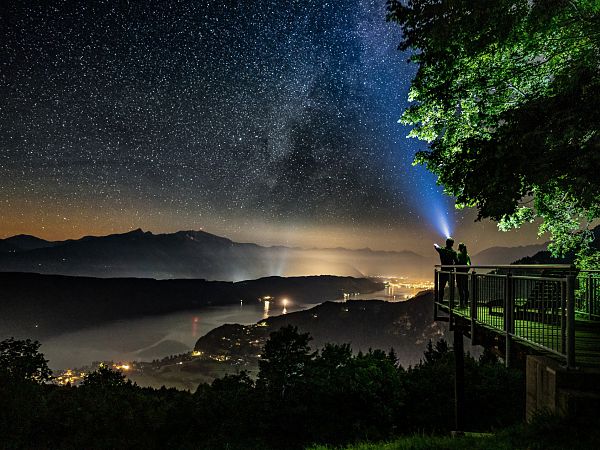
(195,254)
(505,255)
(23,242)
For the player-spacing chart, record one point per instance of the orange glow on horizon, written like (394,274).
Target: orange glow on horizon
(84,220)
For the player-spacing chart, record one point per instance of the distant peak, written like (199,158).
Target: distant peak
(24,236)
(200,234)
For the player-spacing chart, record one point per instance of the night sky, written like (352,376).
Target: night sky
(266,121)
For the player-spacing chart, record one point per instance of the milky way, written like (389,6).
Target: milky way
(185,113)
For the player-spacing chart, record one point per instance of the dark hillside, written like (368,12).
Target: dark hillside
(405,326)
(34,303)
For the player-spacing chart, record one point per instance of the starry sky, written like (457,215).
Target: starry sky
(264,121)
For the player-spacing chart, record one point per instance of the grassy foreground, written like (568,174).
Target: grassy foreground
(428,442)
(546,432)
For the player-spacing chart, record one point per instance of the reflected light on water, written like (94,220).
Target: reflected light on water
(266,309)
(195,322)
(390,291)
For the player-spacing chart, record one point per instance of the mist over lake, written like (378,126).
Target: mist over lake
(146,338)
(154,337)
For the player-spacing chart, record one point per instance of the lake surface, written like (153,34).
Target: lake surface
(149,338)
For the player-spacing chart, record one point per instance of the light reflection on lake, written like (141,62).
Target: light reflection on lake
(390,294)
(149,338)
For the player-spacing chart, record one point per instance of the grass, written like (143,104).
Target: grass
(546,432)
(429,442)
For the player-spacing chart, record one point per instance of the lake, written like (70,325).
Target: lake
(155,337)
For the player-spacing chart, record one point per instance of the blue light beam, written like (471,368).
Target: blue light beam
(433,205)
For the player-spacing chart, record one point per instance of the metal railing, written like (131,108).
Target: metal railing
(587,294)
(534,304)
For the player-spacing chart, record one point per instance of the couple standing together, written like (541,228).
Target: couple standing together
(449,257)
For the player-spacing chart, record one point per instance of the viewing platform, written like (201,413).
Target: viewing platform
(544,318)
(549,310)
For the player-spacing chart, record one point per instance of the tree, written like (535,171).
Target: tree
(104,376)
(20,360)
(284,360)
(506,95)
(231,403)
(432,353)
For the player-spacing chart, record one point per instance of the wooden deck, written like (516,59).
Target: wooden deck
(587,343)
(533,334)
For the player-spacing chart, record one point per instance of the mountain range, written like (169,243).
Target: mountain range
(506,255)
(545,257)
(193,254)
(197,254)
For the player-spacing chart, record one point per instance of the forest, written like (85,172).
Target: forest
(299,398)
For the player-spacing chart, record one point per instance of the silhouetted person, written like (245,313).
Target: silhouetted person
(462,281)
(447,258)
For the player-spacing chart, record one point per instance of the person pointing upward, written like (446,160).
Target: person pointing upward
(448,257)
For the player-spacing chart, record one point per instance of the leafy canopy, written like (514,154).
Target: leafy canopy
(20,360)
(507,95)
(104,376)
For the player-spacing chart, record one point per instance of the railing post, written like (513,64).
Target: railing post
(451,282)
(451,324)
(473,299)
(563,316)
(594,297)
(588,295)
(570,321)
(435,293)
(509,327)
(435,285)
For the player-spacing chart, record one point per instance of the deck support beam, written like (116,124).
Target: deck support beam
(436,298)
(459,380)
(473,304)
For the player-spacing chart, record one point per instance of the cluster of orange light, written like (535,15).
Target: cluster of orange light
(69,377)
